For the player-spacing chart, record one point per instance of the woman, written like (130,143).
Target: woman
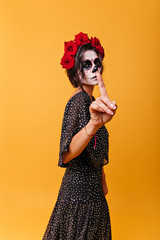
(81,210)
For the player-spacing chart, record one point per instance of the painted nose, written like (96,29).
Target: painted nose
(95,69)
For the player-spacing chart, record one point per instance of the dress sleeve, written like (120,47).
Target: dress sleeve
(70,124)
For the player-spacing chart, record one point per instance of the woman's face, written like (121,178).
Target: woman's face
(90,65)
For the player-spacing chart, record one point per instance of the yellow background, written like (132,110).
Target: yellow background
(34,90)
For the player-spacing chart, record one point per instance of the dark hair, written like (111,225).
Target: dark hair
(73,73)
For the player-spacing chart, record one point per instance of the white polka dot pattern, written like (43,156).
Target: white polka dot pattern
(81,211)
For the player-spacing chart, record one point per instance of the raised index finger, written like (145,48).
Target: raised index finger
(101,85)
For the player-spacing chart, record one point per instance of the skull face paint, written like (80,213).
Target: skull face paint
(90,65)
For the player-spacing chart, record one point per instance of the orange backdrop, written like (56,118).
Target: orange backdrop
(34,90)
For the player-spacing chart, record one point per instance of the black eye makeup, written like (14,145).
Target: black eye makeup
(87,64)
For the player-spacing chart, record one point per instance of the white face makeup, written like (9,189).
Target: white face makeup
(90,64)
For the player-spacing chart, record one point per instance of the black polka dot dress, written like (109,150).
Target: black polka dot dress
(81,211)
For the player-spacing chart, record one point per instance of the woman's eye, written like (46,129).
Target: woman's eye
(98,63)
(86,64)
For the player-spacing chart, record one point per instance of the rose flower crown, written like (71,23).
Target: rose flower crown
(71,47)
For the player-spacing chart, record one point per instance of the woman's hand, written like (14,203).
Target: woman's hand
(105,189)
(102,109)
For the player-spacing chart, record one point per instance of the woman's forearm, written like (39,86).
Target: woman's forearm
(79,142)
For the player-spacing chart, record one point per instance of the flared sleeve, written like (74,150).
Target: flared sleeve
(70,124)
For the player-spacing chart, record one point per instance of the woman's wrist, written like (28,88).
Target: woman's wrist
(91,128)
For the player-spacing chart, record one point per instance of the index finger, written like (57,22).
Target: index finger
(101,85)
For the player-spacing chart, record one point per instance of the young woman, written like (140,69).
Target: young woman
(81,211)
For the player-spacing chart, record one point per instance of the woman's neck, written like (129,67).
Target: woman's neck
(89,89)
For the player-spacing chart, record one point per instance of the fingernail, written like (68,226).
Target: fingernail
(113,106)
(109,111)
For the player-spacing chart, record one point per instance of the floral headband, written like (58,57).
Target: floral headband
(71,47)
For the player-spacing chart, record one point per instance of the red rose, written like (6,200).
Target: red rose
(70,48)
(81,38)
(95,42)
(67,61)
(100,49)
(97,45)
